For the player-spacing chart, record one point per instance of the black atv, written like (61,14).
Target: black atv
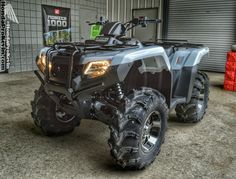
(129,85)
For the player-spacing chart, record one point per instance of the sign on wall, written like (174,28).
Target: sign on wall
(56,24)
(7,15)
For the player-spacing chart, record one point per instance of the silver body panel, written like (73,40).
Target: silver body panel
(190,56)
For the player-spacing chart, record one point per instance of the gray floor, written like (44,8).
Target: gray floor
(204,150)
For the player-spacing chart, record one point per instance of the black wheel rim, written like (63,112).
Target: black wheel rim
(62,116)
(151,131)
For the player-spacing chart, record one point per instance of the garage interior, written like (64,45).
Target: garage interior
(203,150)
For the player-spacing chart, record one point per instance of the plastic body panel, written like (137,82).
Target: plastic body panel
(147,66)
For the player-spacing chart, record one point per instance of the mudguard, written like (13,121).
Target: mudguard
(196,56)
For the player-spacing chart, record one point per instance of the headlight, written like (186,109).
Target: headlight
(97,68)
(41,61)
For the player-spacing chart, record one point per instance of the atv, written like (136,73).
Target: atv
(129,85)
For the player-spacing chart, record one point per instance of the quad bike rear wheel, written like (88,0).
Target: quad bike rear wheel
(49,117)
(194,111)
(136,138)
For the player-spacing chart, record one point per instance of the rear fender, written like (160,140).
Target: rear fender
(196,56)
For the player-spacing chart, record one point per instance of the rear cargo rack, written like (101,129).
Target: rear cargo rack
(172,40)
(174,43)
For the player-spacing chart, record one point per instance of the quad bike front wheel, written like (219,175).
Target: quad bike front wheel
(136,138)
(194,111)
(49,117)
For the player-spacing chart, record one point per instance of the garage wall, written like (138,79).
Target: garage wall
(121,10)
(26,38)
(209,22)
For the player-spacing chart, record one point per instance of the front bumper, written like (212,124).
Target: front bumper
(81,100)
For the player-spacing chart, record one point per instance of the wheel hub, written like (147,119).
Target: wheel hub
(151,131)
(62,116)
(201,99)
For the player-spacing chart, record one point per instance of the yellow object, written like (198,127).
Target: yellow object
(42,63)
(97,68)
(95,31)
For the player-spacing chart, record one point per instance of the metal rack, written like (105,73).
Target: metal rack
(174,43)
(80,48)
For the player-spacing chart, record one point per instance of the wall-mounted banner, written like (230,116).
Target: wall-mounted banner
(56,25)
(7,15)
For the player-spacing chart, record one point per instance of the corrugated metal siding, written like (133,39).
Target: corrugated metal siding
(121,10)
(209,22)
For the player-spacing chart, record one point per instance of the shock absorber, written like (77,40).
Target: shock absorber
(119,91)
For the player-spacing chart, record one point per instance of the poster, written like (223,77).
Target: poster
(56,24)
(95,31)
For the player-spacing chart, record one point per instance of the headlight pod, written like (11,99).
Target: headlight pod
(97,68)
(42,61)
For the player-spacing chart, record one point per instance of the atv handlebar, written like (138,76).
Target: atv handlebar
(144,20)
(154,21)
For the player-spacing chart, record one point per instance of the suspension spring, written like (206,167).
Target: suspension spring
(119,91)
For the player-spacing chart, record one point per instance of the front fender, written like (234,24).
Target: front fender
(126,59)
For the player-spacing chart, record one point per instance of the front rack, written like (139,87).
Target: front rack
(86,47)
(79,47)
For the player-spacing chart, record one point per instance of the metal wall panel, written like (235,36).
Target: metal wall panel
(209,22)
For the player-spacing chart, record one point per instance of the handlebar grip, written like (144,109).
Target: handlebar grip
(154,20)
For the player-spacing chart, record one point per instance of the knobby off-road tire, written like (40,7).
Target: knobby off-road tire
(194,111)
(48,118)
(129,140)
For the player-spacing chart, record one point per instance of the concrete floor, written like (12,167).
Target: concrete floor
(203,150)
